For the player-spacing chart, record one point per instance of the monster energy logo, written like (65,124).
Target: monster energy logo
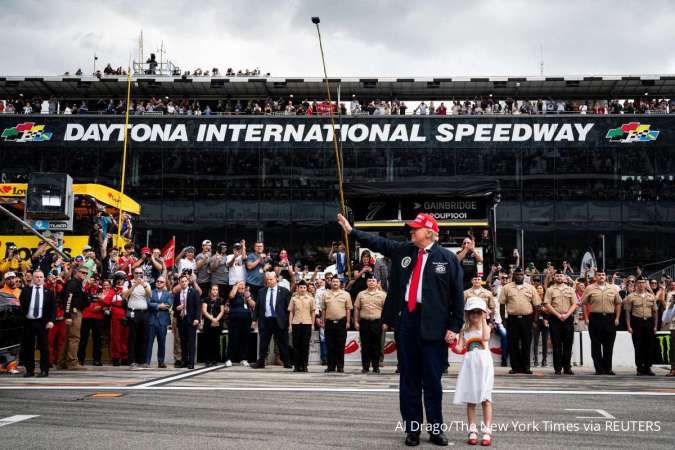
(664,344)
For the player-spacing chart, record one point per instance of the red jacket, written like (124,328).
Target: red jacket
(95,309)
(116,303)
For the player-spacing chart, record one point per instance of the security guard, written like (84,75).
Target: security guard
(560,302)
(367,321)
(335,312)
(520,300)
(641,310)
(426,306)
(605,309)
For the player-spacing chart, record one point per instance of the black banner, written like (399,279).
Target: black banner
(294,131)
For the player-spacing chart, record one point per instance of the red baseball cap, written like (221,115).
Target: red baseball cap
(424,221)
(145,250)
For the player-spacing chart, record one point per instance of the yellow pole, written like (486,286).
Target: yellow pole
(338,156)
(124,154)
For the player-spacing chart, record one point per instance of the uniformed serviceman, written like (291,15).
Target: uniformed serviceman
(367,321)
(560,302)
(641,310)
(336,306)
(605,308)
(301,311)
(425,305)
(476,290)
(520,299)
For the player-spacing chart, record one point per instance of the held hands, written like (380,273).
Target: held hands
(450,336)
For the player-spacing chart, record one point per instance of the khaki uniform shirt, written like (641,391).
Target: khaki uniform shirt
(519,301)
(335,303)
(369,304)
(481,293)
(601,300)
(560,298)
(642,306)
(302,306)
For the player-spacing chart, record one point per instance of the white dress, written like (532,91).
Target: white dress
(477,374)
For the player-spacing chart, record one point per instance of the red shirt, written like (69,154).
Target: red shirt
(125,264)
(115,301)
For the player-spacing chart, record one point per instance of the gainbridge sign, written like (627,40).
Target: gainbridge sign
(250,131)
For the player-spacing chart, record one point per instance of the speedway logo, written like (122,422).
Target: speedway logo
(632,132)
(26,132)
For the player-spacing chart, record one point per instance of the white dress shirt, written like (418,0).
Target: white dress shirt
(34,298)
(419,286)
(275,290)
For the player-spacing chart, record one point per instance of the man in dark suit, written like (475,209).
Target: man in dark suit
(39,307)
(271,317)
(188,306)
(425,304)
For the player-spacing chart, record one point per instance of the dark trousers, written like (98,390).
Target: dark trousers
(302,334)
(602,331)
(336,337)
(370,332)
(540,330)
(95,326)
(421,365)
(188,340)
(271,328)
(238,330)
(519,329)
(159,332)
(562,337)
(212,341)
(138,341)
(643,341)
(35,331)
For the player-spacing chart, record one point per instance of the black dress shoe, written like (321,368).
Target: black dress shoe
(297,370)
(190,366)
(527,372)
(376,370)
(340,370)
(98,363)
(513,371)
(568,372)
(412,439)
(364,370)
(28,374)
(650,373)
(43,374)
(439,439)
(161,366)
(598,372)
(287,366)
(504,364)
(258,365)
(557,372)
(610,372)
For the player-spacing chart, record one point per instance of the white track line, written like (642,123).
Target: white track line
(315,389)
(180,376)
(14,419)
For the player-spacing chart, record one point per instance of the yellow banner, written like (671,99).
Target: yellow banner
(26,245)
(103,194)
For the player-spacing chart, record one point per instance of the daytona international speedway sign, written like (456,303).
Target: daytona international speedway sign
(411,130)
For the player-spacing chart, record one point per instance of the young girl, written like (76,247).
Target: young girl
(476,377)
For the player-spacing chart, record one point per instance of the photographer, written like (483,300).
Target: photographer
(284,264)
(12,261)
(257,263)
(137,296)
(186,261)
(119,332)
(92,321)
(152,264)
(220,264)
(75,300)
(469,259)
(43,258)
(202,266)
(237,269)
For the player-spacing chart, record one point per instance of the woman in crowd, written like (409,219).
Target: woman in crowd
(301,320)
(92,321)
(238,324)
(540,328)
(119,331)
(212,312)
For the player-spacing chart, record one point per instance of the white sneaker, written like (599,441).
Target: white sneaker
(245,363)
(228,363)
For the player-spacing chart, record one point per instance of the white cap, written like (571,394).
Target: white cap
(10,275)
(475,303)
(206,242)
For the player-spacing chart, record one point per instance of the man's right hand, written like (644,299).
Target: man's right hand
(344,223)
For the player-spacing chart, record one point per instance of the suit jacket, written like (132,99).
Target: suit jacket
(283,299)
(442,285)
(48,303)
(193,304)
(156,316)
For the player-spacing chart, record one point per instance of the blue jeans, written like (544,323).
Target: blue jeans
(499,328)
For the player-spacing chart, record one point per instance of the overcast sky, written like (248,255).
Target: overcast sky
(361,38)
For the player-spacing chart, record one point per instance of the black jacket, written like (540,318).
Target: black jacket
(283,298)
(193,305)
(48,303)
(442,283)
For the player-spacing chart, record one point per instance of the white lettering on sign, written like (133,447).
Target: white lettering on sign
(315,132)
(460,204)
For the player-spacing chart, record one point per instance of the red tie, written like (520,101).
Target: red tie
(415,281)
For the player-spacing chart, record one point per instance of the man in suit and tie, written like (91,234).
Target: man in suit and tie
(271,317)
(188,306)
(39,307)
(159,320)
(425,303)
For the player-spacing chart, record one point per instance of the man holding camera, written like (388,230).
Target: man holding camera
(219,265)
(137,296)
(13,262)
(152,264)
(202,266)
(236,266)
(469,259)
(257,263)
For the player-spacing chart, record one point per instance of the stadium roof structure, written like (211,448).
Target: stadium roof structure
(418,88)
